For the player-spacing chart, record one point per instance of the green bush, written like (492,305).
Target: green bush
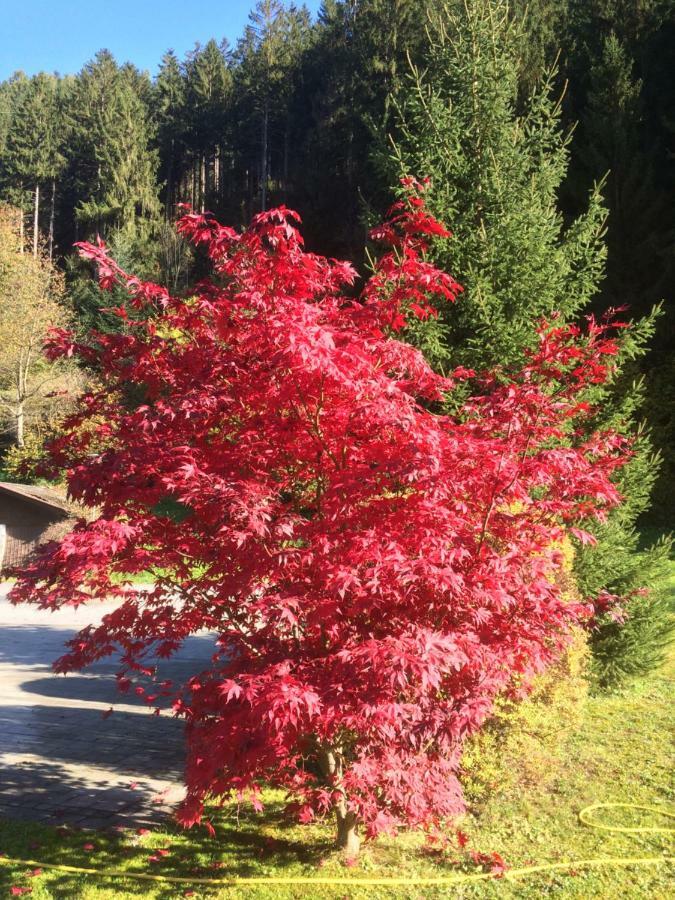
(21,464)
(636,644)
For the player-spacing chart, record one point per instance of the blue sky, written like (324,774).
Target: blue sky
(61,35)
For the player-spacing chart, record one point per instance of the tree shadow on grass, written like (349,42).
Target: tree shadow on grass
(248,836)
(248,846)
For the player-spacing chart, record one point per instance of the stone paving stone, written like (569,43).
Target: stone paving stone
(60,761)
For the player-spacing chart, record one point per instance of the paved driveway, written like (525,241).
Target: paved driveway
(60,760)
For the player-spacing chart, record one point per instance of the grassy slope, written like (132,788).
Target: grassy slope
(623,753)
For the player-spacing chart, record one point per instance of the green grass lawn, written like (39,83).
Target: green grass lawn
(622,753)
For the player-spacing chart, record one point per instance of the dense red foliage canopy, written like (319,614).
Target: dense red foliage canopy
(375,571)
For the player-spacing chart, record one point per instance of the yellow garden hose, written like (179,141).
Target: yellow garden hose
(440,881)
(584,816)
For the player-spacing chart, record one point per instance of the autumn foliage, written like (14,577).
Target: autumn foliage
(376,571)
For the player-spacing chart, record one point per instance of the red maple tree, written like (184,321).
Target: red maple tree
(376,571)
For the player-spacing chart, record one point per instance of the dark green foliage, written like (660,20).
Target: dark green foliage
(89,302)
(350,74)
(495,173)
(497,162)
(112,166)
(170,508)
(33,137)
(637,644)
(204,120)
(622,88)
(170,120)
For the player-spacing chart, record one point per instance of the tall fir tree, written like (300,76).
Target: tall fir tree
(13,190)
(621,70)
(495,176)
(114,165)
(268,58)
(33,146)
(112,175)
(496,167)
(641,224)
(353,70)
(207,98)
(169,115)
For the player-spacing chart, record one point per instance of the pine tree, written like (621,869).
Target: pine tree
(495,175)
(33,148)
(263,76)
(619,135)
(208,87)
(353,69)
(541,24)
(169,114)
(113,166)
(641,228)
(13,190)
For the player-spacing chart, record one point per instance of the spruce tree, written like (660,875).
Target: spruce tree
(641,230)
(113,164)
(112,181)
(352,71)
(207,97)
(33,148)
(618,136)
(267,57)
(496,167)
(13,189)
(169,115)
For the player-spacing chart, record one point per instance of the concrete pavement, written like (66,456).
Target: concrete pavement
(60,760)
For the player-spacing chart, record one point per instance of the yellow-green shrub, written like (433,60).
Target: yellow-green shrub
(523,743)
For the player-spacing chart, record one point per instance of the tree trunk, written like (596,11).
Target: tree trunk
(51,220)
(347,835)
(263,178)
(36,214)
(19,425)
(286,157)
(22,236)
(331,763)
(168,208)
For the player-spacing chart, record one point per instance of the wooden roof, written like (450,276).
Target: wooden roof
(37,495)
